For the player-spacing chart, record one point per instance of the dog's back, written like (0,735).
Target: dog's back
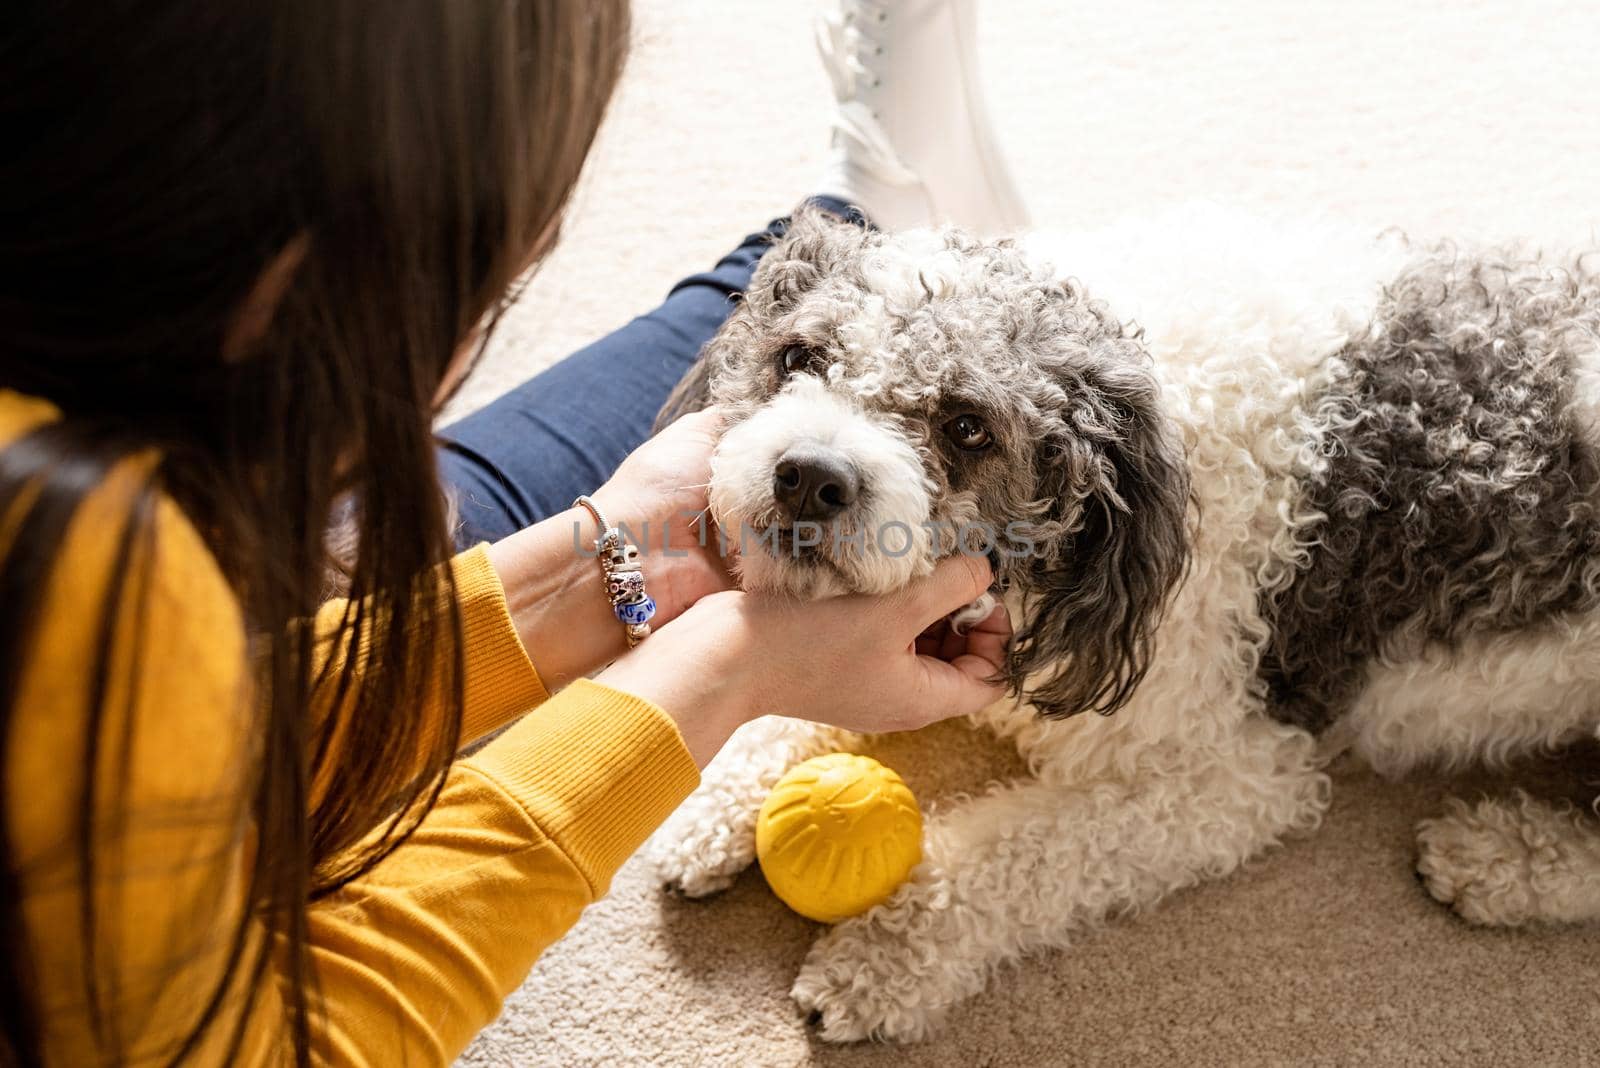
(1459,478)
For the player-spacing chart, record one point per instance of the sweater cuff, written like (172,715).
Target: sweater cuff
(501,681)
(597,770)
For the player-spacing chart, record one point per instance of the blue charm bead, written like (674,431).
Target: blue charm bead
(637,612)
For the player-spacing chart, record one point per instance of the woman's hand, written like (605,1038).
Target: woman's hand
(554,586)
(719,657)
(850,661)
(659,496)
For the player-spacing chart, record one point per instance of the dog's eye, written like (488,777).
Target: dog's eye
(797,359)
(968,433)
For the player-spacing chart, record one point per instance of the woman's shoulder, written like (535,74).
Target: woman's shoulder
(130,729)
(137,637)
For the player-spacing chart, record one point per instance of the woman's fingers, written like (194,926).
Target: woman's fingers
(953,644)
(986,645)
(962,673)
(706,420)
(956,687)
(956,582)
(931,642)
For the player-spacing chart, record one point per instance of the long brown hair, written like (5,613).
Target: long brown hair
(159,157)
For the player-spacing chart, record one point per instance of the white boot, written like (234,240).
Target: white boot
(912,141)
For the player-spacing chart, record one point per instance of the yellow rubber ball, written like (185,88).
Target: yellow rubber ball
(837,835)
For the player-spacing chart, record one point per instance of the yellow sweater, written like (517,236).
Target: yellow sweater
(411,960)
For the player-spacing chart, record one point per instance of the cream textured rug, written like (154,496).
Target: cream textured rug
(1446,119)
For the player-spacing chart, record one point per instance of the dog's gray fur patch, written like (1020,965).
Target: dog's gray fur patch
(1460,483)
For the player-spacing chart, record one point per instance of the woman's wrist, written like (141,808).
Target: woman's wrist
(556,588)
(555,584)
(695,671)
(555,591)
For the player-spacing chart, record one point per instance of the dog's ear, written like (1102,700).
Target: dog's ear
(1115,540)
(811,247)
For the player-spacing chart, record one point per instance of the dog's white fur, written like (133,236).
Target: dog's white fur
(1190,779)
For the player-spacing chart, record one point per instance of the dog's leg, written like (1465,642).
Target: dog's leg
(1508,861)
(711,837)
(1029,864)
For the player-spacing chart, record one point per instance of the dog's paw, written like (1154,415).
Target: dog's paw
(891,974)
(1505,862)
(703,848)
(858,983)
(693,881)
(701,865)
(711,838)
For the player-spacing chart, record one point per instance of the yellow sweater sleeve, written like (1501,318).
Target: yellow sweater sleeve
(412,959)
(501,681)
(415,958)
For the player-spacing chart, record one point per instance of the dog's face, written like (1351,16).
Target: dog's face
(892,399)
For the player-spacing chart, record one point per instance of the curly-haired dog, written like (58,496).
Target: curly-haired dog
(1329,490)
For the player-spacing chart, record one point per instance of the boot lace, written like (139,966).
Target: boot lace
(849,42)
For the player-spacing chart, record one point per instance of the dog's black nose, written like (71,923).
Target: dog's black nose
(813,482)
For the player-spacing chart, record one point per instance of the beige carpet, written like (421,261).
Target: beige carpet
(1445,118)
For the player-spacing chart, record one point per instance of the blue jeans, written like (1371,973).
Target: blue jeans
(563,432)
